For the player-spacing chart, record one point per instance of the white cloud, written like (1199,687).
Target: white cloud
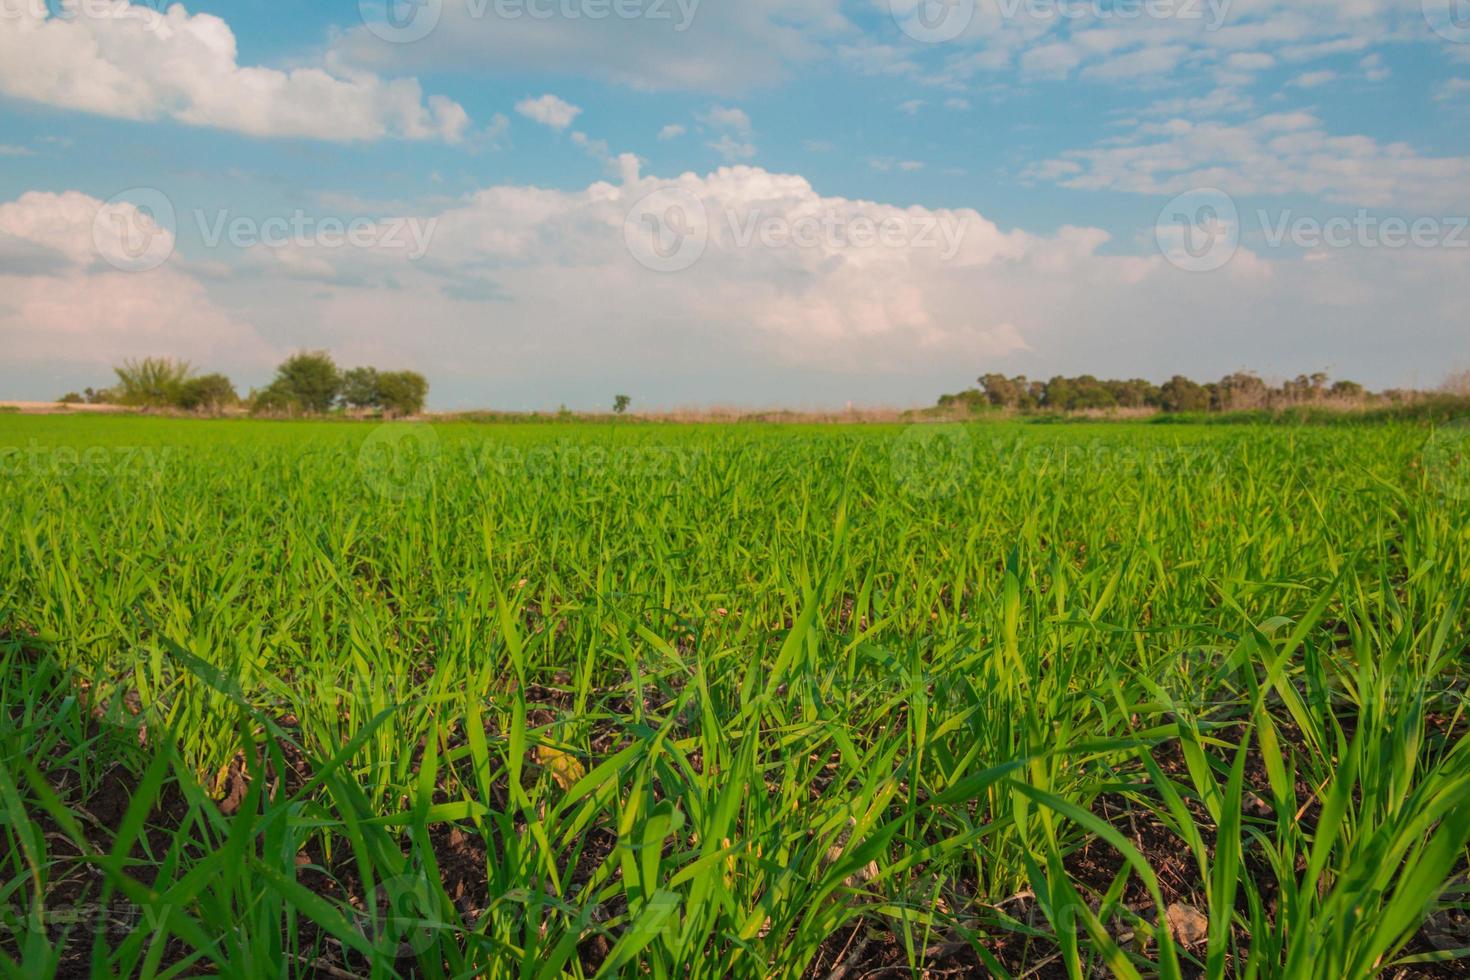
(732,148)
(522,287)
(912,106)
(1451,89)
(61,302)
(725,117)
(1314,79)
(6,150)
(140,64)
(734,145)
(548,110)
(1232,39)
(671,132)
(1281,153)
(679,45)
(493,295)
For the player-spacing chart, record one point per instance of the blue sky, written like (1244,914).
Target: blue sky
(1028,162)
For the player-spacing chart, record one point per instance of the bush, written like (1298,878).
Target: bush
(360,388)
(308,380)
(402,392)
(71,398)
(209,393)
(153,382)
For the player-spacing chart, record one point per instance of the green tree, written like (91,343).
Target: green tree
(360,388)
(71,398)
(309,380)
(208,393)
(621,403)
(1179,394)
(402,392)
(153,382)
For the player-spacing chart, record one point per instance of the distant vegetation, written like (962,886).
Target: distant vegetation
(1242,392)
(307,383)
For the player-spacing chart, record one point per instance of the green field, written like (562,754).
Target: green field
(292,699)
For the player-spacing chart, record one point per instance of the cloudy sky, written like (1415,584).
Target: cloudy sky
(806,202)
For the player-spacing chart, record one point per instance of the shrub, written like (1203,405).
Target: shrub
(402,392)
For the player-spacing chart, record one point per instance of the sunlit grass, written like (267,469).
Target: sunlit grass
(715,701)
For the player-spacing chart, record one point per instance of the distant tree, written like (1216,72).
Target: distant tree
(208,393)
(360,388)
(1348,391)
(1242,391)
(71,398)
(1179,394)
(274,399)
(308,380)
(153,382)
(402,392)
(99,396)
(1457,384)
(621,403)
(1134,393)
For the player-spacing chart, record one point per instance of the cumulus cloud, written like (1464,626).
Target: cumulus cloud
(785,283)
(67,298)
(519,285)
(548,110)
(143,64)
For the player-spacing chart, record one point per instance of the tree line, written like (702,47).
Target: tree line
(1238,392)
(307,383)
